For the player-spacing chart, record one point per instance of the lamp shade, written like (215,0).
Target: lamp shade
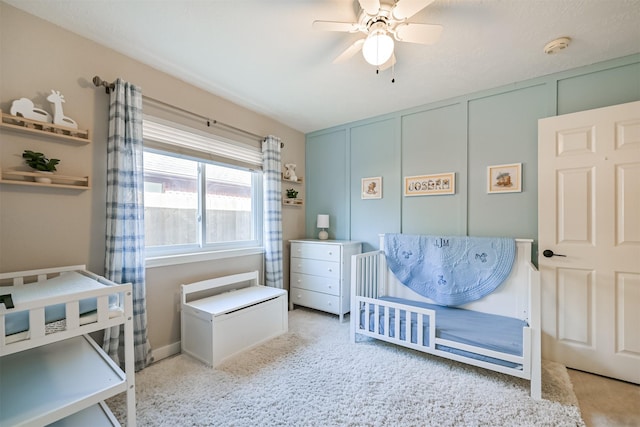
(323,221)
(377,48)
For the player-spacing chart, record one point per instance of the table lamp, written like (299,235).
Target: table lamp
(323,222)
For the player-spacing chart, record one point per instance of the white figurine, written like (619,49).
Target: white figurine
(24,107)
(56,98)
(290,173)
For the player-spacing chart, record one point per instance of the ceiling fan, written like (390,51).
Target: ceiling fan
(383,21)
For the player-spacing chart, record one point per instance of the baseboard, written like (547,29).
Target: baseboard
(166,351)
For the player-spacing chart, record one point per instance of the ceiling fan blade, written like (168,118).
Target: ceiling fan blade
(390,63)
(347,27)
(418,33)
(350,51)
(372,7)
(407,8)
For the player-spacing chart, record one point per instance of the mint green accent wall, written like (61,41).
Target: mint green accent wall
(375,152)
(434,141)
(599,89)
(327,190)
(503,129)
(464,135)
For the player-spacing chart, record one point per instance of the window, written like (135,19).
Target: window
(194,204)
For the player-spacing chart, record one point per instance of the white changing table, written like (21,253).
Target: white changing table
(61,377)
(240,315)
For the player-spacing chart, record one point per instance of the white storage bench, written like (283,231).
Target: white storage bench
(236,314)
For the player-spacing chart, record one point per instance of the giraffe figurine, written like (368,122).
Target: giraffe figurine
(56,98)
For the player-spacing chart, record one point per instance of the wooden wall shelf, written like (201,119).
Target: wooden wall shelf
(299,181)
(292,202)
(57,181)
(35,127)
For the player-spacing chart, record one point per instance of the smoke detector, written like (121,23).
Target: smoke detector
(556,45)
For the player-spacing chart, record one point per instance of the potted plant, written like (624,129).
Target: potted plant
(40,163)
(291,193)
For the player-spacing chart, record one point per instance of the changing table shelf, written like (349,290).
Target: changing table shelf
(51,382)
(98,415)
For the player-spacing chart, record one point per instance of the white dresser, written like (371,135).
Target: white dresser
(321,274)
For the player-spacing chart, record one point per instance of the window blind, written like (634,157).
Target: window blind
(164,135)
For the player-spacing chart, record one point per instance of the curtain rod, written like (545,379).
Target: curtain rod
(97,81)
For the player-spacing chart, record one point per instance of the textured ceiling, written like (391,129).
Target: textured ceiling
(264,55)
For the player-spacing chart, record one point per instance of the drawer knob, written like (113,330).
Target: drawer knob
(329,269)
(299,281)
(330,253)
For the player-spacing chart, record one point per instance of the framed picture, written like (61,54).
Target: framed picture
(371,188)
(504,178)
(430,185)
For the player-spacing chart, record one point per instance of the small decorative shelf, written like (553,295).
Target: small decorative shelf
(292,202)
(299,181)
(58,181)
(22,124)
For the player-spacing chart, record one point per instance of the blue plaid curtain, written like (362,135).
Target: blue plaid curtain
(272,211)
(124,262)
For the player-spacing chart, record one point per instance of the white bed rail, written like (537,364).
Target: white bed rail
(75,323)
(394,334)
(414,318)
(27,276)
(367,272)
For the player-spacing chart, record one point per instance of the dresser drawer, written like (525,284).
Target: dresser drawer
(316,267)
(317,300)
(326,285)
(315,251)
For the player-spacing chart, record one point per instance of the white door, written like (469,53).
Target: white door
(589,218)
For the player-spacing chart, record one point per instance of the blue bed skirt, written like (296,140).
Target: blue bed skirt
(488,331)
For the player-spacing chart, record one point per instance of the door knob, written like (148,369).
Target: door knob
(549,253)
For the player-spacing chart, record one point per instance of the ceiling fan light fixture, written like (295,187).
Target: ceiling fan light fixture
(378,48)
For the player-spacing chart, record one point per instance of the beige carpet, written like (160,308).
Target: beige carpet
(313,376)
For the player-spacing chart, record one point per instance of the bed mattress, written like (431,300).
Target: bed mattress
(488,331)
(66,284)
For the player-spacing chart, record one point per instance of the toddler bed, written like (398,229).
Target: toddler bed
(52,370)
(486,316)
